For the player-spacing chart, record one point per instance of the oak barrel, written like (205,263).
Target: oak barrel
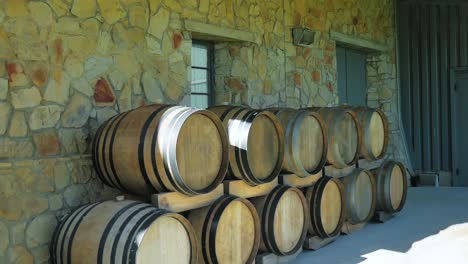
(123,232)
(305,140)
(392,186)
(256,140)
(159,148)
(283,218)
(374,127)
(360,196)
(228,231)
(344,135)
(326,203)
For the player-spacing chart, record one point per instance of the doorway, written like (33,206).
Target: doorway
(352,76)
(459,96)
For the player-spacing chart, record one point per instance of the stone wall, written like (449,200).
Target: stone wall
(68,65)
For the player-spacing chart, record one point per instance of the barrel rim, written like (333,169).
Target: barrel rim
(279,130)
(366,146)
(268,216)
(240,168)
(314,197)
(391,164)
(343,110)
(225,152)
(210,225)
(170,163)
(185,223)
(351,179)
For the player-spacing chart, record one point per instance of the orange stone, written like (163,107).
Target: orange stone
(58,51)
(235,84)
(297,19)
(47,143)
(177,40)
(39,74)
(14,69)
(316,76)
(297,79)
(233,51)
(306,53)
(103,94)
(267,87)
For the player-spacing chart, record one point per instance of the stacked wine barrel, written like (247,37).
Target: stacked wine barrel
(165,148)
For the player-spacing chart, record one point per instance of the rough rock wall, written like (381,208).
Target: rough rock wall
(68,65)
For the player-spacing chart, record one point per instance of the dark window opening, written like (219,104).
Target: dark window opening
(202,74)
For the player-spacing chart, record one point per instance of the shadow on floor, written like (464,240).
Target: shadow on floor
(428,210)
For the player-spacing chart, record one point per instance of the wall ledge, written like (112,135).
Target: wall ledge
(358,43)
(205,31)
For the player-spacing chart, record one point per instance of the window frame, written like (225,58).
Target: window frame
(209,70)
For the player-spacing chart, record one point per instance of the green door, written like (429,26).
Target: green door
(460,127)
(352,76)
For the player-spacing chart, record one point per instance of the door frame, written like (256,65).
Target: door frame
(454,72)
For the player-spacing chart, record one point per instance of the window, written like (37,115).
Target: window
(352,76)
(202,74)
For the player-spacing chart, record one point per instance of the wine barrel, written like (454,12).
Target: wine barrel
(123,232)
(159,148)
(360,196)
(392,186)
(326,204)
(344,135)
(305,140)
(374,127)
(283,218)
(256,140)
(228,231)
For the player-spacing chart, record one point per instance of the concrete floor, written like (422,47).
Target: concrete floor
(427,212)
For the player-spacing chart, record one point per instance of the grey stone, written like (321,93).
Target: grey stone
(96,67)
(153,45)
(61,176)
(25,98)
(15,148)
(17,233)
(3,88)
(4,238)
(39,231)
(67,140)
(82,85)
(55,202)
(239,69)
(76,195)
(20,255)
(125,99)
(5,111)
(41,255)
(136,86)
(58,89)
(159,23)
(152,88)
(45,116)
(78,111)
(18,126)
(104,114)
(117,80)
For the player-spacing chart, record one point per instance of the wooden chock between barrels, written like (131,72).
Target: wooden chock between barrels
(178,202)
(270,258)
(241,189)
(333,172)
(349,228)
(316,243)
(293,180)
